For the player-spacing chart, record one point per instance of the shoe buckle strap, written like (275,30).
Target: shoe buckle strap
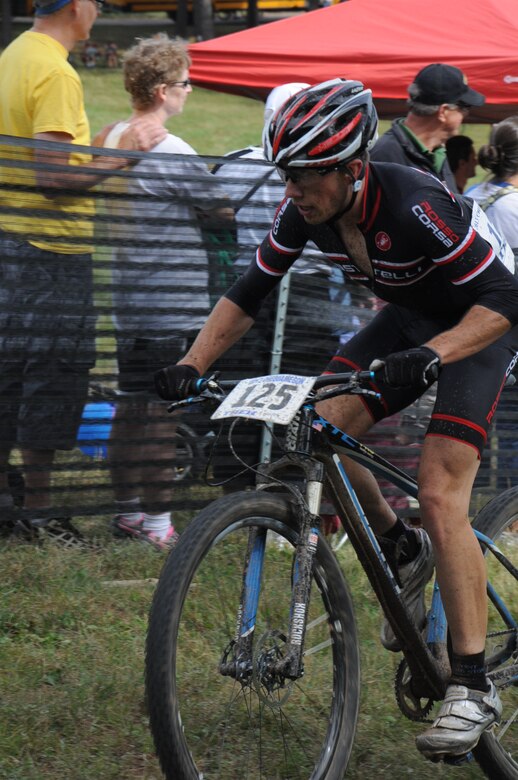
(465,710)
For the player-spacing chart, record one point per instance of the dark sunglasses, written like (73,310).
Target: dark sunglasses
(304,175)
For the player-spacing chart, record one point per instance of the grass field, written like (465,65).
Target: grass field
(72,632)
(72,624)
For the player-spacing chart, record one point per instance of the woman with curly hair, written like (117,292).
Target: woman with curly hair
(160,278)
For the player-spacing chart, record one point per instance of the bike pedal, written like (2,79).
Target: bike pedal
(467,758)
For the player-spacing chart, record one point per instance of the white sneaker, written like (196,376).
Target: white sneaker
(464,715)
(413,577)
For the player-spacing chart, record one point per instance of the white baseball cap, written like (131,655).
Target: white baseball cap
(280,95)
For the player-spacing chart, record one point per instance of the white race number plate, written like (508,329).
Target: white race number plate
(275,399)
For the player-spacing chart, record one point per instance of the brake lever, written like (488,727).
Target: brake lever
(365,391)
(211,392)
(185,402)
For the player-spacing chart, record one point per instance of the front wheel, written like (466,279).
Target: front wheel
(208,725)
(497,751)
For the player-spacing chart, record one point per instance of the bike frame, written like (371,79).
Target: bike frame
(316,452)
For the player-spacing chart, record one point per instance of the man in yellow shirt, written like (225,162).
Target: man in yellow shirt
(46,227)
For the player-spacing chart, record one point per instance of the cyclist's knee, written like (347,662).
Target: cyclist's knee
(444,510)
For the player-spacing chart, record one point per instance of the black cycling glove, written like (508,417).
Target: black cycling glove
(175,383)
(417,367)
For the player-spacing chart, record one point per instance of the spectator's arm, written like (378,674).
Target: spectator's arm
(220,217)
(142,135)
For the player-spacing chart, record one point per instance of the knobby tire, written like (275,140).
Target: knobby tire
(211,726)
(497,751)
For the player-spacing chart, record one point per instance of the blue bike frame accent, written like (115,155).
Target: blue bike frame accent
(253,584)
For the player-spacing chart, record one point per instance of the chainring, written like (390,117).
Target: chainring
(411,707)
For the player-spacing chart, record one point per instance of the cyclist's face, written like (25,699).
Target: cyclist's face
(319,198)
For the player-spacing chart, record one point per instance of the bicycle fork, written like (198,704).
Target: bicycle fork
(281,656)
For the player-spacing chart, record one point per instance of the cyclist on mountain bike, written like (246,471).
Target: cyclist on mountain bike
(451,307)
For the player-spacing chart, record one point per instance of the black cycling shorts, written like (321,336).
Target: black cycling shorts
(467,391)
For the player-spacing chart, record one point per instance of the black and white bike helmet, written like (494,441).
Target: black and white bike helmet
(324,126)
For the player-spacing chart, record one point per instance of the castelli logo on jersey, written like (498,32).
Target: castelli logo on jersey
(383,241)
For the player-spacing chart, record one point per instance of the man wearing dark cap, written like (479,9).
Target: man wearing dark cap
(439,100)
(46,236)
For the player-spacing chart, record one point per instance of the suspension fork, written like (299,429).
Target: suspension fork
(240,665)
(291,664)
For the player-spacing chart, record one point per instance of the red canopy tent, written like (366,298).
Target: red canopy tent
(380,42)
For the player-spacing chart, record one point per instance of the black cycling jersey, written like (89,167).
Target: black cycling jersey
(424,243)
(431,263)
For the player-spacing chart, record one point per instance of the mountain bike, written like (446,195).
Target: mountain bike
(252,662)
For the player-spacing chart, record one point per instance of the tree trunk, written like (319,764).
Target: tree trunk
(7,23)
(203,20)
(182,19)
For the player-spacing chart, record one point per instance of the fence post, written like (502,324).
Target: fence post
(276,352)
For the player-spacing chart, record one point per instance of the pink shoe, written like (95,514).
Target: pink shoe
(167,542)
(122,527)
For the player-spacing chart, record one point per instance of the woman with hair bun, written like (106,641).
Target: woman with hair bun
(498,194)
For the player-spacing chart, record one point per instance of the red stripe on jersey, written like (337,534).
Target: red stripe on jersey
(461,421)
(282,250)
(459,251)
(384,264)
(488,259)
(267,268)
(374,212)
(364,196)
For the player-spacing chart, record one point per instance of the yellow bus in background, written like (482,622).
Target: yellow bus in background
(219,6)
(25,8)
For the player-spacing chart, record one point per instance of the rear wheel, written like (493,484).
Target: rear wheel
(213,726)
(497,751)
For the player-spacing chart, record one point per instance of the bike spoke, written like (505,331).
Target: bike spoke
(269,721)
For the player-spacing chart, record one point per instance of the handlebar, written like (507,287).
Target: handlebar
(206,388)
(214,384)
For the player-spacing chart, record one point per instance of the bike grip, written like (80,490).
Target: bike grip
(197,386)
(174,383)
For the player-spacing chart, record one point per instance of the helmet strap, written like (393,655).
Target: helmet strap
(357,185)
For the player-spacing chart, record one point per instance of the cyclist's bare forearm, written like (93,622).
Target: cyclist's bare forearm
(479,328)
(226,324)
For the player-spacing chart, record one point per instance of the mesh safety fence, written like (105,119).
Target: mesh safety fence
(106,279)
